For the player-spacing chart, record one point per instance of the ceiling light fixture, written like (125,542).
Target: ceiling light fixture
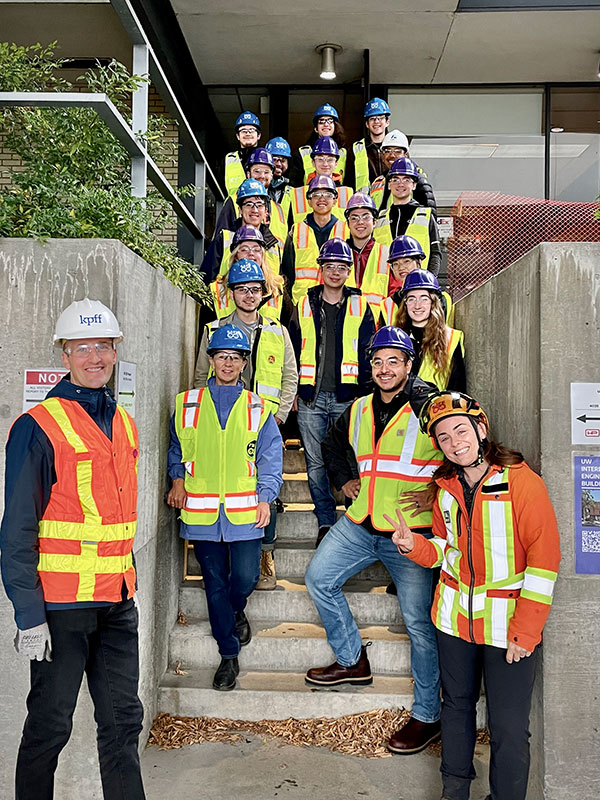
(327,52)
(556,129)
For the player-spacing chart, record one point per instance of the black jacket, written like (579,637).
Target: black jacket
(345,391)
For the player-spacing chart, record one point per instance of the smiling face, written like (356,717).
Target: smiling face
(390,368)
(325,126)
(457,439)
(281,165)
(418,306)
(90,361)
(401,267)
(378,125)
(254,211)
(335,274)
(361,223)
(227,366)
(247,296)
(321,201)
(262,173)
(324,164)
(402,187)
(248,136)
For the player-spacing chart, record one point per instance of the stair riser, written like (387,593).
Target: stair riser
(283,653)
(283,606)
(294,461)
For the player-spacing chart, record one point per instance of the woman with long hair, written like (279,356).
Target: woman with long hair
(496,540)
(439,348)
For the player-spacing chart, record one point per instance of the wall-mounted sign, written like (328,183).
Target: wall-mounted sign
(585,413)
(126,386)
(587,514)
(37,384)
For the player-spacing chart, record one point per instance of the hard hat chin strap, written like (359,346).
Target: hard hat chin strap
(480,459)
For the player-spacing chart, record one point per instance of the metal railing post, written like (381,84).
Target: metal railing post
(139,119)
(199,207)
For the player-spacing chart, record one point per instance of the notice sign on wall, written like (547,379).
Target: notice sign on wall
(587,514)
(38,383)
(126,386)
(585,413)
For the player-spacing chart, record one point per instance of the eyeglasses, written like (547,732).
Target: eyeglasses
(247,130)
(321,194)
(254,204)
(280,160)
(421,299)
(325,121)
(221,358)
(402,179)
(260,172)
(86,350)
(336,268)
(249,250)
(378,118)
(255,291)
(325,159)
(360,217)
(393,363)
(393,151)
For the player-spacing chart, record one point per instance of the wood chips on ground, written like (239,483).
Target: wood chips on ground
(362,734)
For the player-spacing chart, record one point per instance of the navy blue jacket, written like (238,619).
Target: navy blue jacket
(30,475)
(345,391)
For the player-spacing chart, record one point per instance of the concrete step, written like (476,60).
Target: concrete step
(295,488)
(290,601)
(294,461)
(294,646)
(293,557)
(275,695)
(297,522)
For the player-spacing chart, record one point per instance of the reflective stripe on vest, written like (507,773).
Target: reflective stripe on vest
(300,207)
(484,610)
(418,228)
(377,191)
(403,459)
(375,280)
(361,166)
(356,307)
(428,371)
(220,464)
(386,310)
(85,536)
(306,251)
(234,173)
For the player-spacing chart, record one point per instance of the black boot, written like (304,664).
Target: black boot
(227,672)
(242,628)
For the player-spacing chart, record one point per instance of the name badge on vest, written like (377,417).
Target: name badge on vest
(447,518)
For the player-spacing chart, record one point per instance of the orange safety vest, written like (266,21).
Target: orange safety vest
(86,532)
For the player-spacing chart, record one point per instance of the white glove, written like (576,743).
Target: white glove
(35,643)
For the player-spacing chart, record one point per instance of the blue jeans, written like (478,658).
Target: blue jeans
(314,422)
(103,643)
(349,548)
(230,571)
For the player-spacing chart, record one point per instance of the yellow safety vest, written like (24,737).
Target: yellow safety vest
(388,307)
(356,308)
(404,459)
(377,189)
(220,464)
(418,228)
(270,360)
(374,286)
(361,166)
(309,166)
(427,370)
(306,251)
(286,202)
(234,173)
(223,304)
(300,207)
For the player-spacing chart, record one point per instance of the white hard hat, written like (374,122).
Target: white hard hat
(87,319)
(395,138)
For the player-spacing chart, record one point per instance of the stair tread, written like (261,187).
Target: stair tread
(264,629)
(298,584)
(283,681)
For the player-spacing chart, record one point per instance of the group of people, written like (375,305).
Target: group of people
(326,303)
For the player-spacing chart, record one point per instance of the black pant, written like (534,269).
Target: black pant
(508,689)
(103,643)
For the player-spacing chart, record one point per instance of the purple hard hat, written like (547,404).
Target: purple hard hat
(321,182)
(389,336)
(405,247)
(335,250)
(361,200)
(325,146)
(404,166)
(247,233)
(260,155)
(421,279)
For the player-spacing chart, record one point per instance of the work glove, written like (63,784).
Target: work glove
(35,643)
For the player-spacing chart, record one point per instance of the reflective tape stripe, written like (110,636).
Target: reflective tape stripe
(88,560)
(84,492)
(349,369)
(373,298)
(272,391)
(241,502)
(360,407)
(307,371)
(127,425)
(538,585)
(55,409)
(308,273)
(191,408)
(355,305)
(202,502)
(255,409)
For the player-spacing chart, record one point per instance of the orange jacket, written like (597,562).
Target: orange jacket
(498,567)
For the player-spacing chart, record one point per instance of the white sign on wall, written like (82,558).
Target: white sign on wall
(585,413)
(37,384)
(126,386)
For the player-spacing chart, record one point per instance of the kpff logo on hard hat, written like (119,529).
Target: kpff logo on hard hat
(95,320)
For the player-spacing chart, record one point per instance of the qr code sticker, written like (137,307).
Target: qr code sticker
(590,541)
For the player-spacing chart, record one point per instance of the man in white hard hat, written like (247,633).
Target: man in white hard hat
(395,145)
(66,554)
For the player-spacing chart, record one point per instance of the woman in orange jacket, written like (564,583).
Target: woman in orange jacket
(496,540)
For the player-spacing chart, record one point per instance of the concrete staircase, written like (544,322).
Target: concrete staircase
(287,635)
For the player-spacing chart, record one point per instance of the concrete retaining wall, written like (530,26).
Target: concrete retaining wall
(530,332)
(159,323)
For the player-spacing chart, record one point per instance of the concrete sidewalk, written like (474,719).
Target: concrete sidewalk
(259,769)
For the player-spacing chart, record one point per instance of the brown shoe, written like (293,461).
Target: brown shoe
(414,737)
(268,579)
(334,674)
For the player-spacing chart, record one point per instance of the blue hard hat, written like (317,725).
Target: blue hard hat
(404,166)
(260,155)
(389,336)
(335,250)
(326,110)
(325,146)
(405,247)
(361,200)
(244,271)
(250,188)
(375,107)
(247,233)
(321,182)
(247,118)
(420,279)
(279,147)
(228,337)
